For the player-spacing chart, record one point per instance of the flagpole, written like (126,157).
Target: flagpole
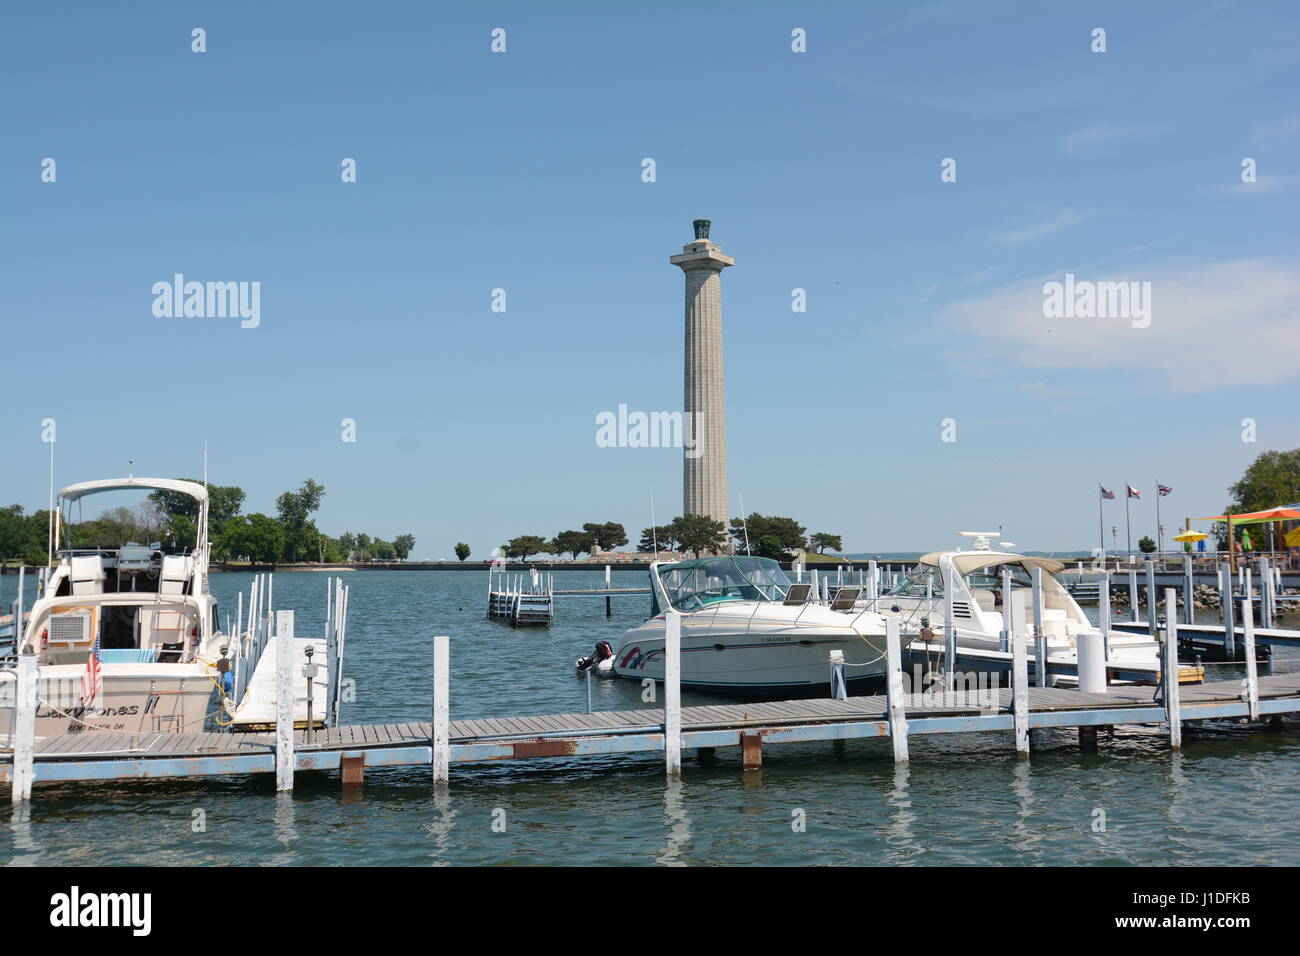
(1160,532)
(1101,527)
(1128,523)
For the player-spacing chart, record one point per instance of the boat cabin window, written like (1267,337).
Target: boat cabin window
(696,584)
(914,584)
(990,579)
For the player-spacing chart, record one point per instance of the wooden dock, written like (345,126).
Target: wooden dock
(751,726)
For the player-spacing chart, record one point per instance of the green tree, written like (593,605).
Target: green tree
(769,546)
(294,508)
(256,537)
(660,536)
(699,533)
(462,550)
(821,541)
(607,536)
(787,531)
(1146,545)
(573,542)
(403,544)
(1271,481)
(525,545)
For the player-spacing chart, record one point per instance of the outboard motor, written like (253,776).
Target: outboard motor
(601,659)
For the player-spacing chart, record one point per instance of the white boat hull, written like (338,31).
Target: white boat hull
(152,698)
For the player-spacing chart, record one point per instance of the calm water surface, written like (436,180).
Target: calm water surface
(1231,797)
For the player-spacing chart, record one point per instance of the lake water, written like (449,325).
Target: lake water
(1231,797)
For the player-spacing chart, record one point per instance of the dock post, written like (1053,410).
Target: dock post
(441,743)
(1004,636)
(1019,681)
(1189,601)
(673,693)
(1103,613)
(1040,635)
(949,632)
(18,611)
(1229,614)
(751,751)
(1152,602)
(873,585)
(1091,662)
(609,607)
(587,672)
(1133,595)
(24,735)
(284,761)
(894,690)
(1265,593)
(839,690)
(1173,712)
(1252,669)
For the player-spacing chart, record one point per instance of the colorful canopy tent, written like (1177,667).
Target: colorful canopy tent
(1258,517)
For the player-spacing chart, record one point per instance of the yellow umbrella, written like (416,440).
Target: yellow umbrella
(1190,536)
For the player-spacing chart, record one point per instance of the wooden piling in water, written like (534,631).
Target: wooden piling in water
(894,690)
(284,761)
(441,742)
(1173,711)
(24,734)
(673,693)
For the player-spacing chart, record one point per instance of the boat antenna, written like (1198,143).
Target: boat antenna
(205,465)
(654,531)
(744,523)
(49,546)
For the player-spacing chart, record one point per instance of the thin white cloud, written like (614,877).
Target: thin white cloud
(1101,134)
(1212,325)
(1265,183)
(1062,220)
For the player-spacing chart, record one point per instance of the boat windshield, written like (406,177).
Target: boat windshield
(694,584)
(914,584)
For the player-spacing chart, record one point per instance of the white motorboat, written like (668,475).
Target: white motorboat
(147,616)
(747,629)
(982,587)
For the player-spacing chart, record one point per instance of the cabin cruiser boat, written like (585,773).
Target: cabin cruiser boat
(148,616)
(984,589)
(746,628)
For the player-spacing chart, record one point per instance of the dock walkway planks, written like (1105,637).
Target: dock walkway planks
(159,755)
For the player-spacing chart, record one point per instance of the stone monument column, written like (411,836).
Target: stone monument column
(704,467)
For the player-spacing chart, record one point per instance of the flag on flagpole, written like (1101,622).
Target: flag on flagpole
(1108,495)
(1163,490)
(1133,492)
(92,681)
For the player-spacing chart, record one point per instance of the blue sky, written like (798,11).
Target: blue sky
(522,170)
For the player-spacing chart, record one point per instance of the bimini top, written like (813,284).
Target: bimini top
(81,489)
(689,585)
(968,561)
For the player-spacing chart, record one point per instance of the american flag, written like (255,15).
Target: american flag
(92,682)
(1108,495)
(1163,489)
(1133,492)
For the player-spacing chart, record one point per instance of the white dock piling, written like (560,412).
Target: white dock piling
(1040,635)
(949,637)
(1229,612)
(1152,599)
(1019,680)
(673,693)
(1189,610)
(1103,613)
(24,736)
(1173,712)
(894,690)
(1252,670)
(1092,662)
(441,743)
(1133,602)
(873,585)
(284,762)
(18,611)
(839,689)
(1265,593)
